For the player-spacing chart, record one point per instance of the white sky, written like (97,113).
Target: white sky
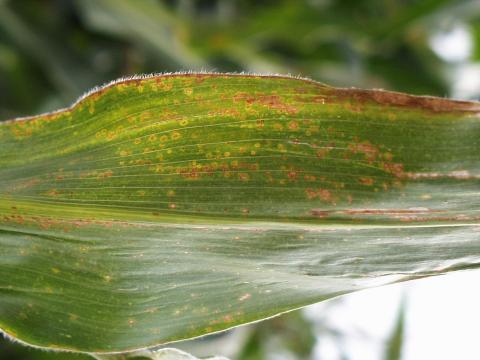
(455,46)
(442,317)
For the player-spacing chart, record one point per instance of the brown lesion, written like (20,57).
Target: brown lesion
(399,214)
(62,224)
(271,101)
(392,212)
(408,215)
(324,195)
(369,151)
(373,169)
(391,98)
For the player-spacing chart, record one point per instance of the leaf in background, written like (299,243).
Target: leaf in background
(396,340)
(163,354)
(279,337)
(146,22)
(55,64)
(173,206)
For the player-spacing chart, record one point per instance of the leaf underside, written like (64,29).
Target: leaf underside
(162,208)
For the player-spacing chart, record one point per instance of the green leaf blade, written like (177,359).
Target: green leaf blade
(170,207)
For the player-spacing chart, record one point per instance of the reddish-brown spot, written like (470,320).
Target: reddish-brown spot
(366,181)
(322,153)
(369,151)
(292,175)
(396,169)
(53,192)
(244,176)
(322,194)
(293,125)
(105,175)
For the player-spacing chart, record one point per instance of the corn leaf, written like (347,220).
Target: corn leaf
(166,207)
(162,354)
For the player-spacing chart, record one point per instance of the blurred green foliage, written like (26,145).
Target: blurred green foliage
(51,51)
(395,341)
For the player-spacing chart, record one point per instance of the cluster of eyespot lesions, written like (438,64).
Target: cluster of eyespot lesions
(24,129)
(211,177)
(204,147)
(292,169)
